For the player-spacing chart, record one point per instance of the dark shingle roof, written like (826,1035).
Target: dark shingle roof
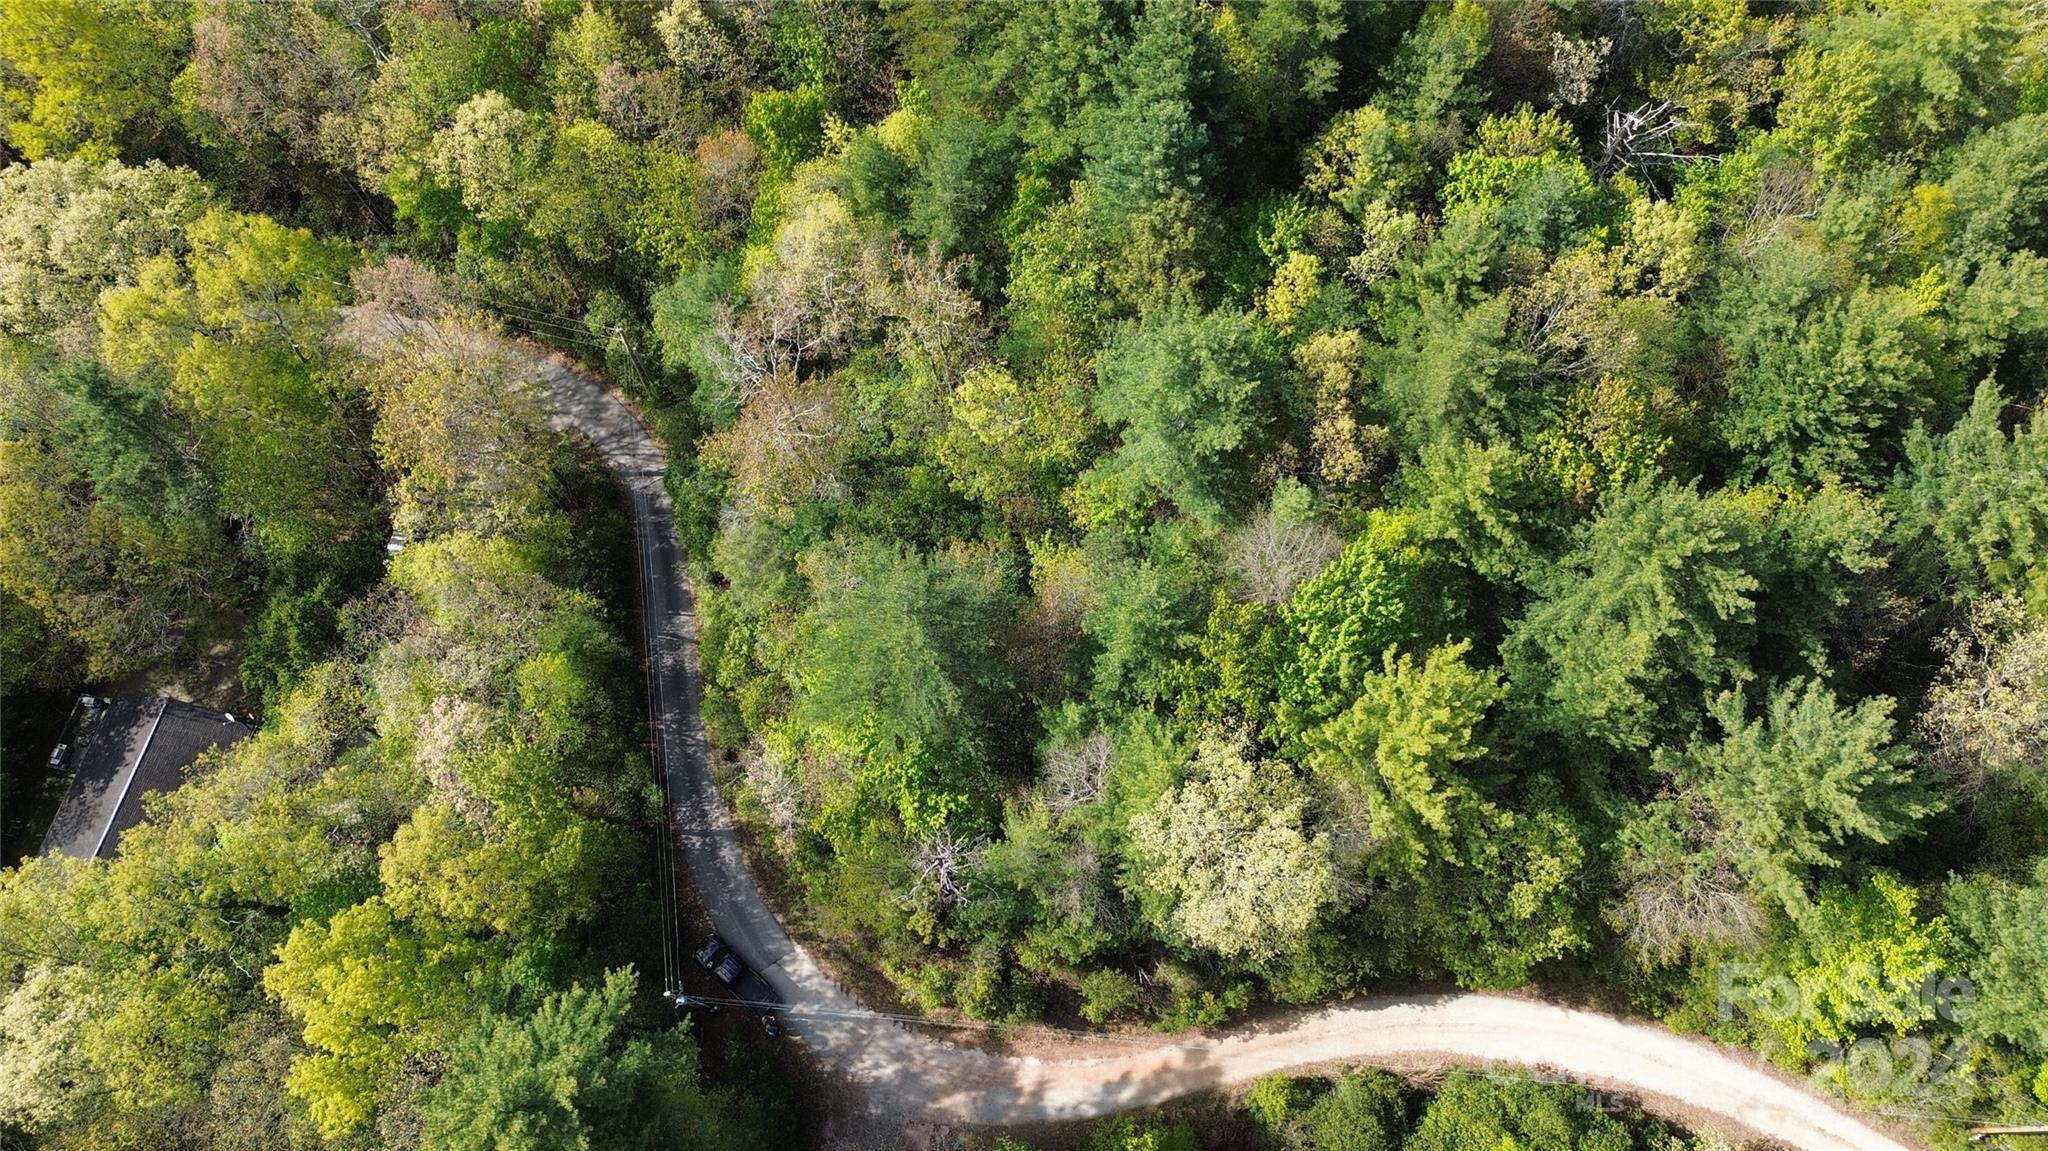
(130,748)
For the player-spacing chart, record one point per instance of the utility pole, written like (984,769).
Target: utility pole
(619,330)
(1980,1134)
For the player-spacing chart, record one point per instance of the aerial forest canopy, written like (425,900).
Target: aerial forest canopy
(1195,505)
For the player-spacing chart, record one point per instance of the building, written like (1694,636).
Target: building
(121,752)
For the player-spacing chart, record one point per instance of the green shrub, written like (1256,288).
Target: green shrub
(1126,1133)
(1195,1007)
(1273,1100)
(1480,1113)
(1365,1111)
(1107,994)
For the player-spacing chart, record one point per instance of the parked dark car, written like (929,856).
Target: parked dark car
(747,985)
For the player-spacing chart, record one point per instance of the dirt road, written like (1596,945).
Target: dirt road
(910,1077)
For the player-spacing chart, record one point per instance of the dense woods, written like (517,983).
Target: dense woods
(1196,506)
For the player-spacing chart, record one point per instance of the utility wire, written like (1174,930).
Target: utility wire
(645,543)
(894,1019)
(664,850)
(540,319)
(568,327)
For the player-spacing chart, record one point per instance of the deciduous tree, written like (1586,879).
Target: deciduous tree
(1404,752)
(371,990)
(90,80)
(1343,620)
(70,229)
(1986,719)
(1475,1113)
(1228,860)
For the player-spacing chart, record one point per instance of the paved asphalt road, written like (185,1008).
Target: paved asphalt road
(906,1077)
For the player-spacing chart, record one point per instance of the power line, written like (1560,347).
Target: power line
(901,1019)
(564,328)
(664,851)
(557,323)
(548,322)
(534,314)
(666,848)
(645,544)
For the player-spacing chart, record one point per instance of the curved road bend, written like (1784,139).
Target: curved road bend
(910,1077)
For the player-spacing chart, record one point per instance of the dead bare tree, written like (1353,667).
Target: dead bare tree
(787,444)
(1785,192)
(1687,895)
(1641,138)
(930,314)
(1668,911)
(779,786)
(1083,891)
(945,865)
(1075,773)
(1986,720)
(1271,555)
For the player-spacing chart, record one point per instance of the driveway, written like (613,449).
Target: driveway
(912,1078)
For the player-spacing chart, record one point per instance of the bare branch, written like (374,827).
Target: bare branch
(1636,139)
(1075,774)
(945,865)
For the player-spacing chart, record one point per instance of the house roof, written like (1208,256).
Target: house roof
(121,753)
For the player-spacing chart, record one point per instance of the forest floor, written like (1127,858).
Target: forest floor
(908,1081)
(208,673)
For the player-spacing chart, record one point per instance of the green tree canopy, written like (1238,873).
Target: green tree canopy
(900,667)
(372,990)
(70,229)
(1970,506)
(1342,621)
(1822,382)
(1192,393)
(1653,602)
(87,79)
(1790,790)
(1151,138)
(1364,1111)
(1478,1113)
(1402,751)
(569,1076)
(239,327)
(1998,922)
